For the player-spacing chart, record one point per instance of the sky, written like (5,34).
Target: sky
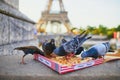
(81,13)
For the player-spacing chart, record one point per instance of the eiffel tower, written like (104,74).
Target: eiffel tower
(54,18)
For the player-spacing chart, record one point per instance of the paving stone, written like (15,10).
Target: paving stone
(11,69)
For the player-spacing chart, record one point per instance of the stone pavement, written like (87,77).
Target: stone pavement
(11,69)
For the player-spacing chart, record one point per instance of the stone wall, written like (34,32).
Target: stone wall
(13,3)
(16,29)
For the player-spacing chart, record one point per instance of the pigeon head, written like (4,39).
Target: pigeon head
(84,55)
(52,41)
(92,52)
(48,46)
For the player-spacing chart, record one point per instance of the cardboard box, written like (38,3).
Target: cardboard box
(61,69)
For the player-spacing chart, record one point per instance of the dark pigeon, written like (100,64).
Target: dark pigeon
(48,47)
(29,50)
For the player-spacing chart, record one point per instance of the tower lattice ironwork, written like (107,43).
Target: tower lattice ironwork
(60,17)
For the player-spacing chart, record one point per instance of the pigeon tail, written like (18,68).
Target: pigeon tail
(72,45)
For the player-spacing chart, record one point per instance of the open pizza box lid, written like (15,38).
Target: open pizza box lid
(112,57)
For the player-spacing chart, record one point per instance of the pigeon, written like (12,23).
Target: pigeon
(71,46)
(79,50)
(96,51)
(29,50)
(48,47)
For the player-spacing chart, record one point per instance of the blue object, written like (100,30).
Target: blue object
(96,50)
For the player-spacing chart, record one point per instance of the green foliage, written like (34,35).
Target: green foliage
(101,30)
(118,28)
(109,34)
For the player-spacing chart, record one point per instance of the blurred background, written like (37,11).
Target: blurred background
(26,20)
(99,17)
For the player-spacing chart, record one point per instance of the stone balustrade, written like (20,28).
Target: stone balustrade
(15,28)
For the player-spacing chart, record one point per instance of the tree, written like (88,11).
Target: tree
(102,30)
(118,28)
(90,29)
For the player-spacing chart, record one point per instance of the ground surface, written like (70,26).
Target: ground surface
(11,69)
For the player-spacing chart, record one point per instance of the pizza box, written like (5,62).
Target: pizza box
(112,57)
(61,69)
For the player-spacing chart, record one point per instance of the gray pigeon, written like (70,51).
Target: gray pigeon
(96,51)
(71,46)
